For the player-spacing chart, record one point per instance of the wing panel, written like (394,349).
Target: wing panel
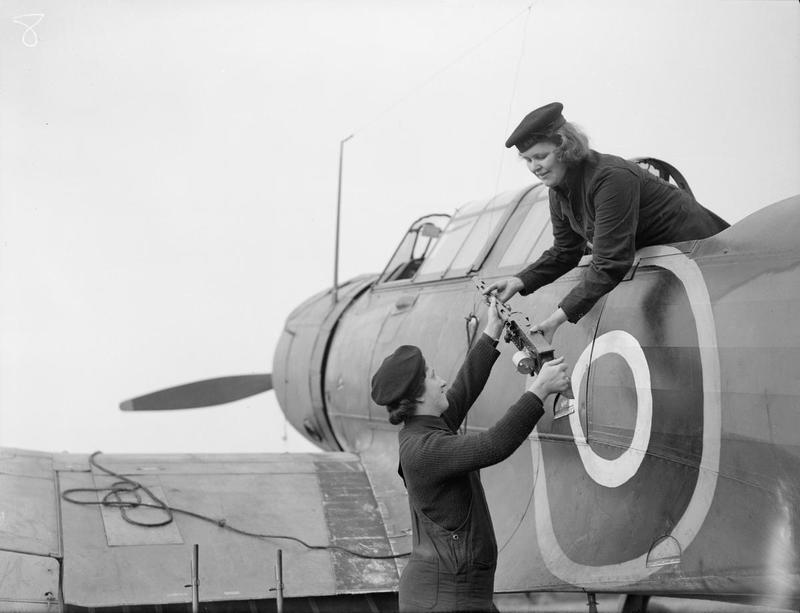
(28,521)
(322,499)
(27,582)
(355,523)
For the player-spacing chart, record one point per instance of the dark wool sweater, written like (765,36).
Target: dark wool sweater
(435,461)
(619,208)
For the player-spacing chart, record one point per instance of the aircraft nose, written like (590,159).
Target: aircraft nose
(299,364)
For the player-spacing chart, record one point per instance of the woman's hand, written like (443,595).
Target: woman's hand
(494,326)
(549,326)
(505,288)
(551,379)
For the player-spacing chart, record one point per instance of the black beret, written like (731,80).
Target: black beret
(399,375)
(536,126)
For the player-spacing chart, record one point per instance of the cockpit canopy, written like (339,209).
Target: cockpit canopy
(414,248)
(442,247)
(513,228)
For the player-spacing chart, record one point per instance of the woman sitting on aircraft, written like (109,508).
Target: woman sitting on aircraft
(601,200)
(454,552)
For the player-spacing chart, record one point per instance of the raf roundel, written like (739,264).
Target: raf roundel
(665,463)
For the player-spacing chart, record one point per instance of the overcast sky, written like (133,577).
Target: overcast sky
(168,168)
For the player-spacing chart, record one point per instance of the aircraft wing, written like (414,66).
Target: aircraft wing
(87,555)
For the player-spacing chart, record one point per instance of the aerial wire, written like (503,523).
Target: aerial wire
(513,93)
(493,203)
(489,228)
(441,71)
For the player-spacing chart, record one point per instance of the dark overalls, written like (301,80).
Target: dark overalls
(454,553)
(451,570)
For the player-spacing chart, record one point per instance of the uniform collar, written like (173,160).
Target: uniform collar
(416,422)
(573,178)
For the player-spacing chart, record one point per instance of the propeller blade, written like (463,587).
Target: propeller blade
(206,393)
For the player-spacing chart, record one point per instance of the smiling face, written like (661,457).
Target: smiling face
(434,400)
(541,161)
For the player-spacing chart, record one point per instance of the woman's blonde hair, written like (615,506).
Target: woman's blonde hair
(572,145)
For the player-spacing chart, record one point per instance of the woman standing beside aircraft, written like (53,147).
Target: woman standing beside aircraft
(454,552)
(601,200)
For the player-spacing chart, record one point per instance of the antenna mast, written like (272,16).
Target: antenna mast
(338,214)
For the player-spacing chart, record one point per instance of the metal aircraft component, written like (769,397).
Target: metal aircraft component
(678,462)
(563,406)
(300,359)
(524,363)
(205,393)
(664,170)
(50,545)
(675,472)
(533,352)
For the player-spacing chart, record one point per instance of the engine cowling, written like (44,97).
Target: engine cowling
(299,362)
